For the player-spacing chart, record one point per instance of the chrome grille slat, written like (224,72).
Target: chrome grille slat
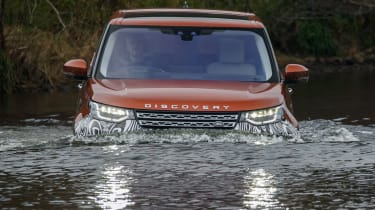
(174,116)
(186,120)
(186,124)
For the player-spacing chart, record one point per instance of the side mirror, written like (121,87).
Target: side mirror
(76,68)
(295,73)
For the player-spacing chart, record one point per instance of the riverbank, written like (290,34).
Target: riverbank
(38,37)
(35,67)
(316,65)
(363,61)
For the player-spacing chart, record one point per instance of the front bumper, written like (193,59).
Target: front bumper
(89,126)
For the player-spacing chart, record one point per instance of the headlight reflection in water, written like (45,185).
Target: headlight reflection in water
(114,193)
(113,189)
(260,190)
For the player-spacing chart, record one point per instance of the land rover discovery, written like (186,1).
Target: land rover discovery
(184,68)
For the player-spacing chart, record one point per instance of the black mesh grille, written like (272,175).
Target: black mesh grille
(186,119)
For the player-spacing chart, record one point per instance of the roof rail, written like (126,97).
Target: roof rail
(184,13)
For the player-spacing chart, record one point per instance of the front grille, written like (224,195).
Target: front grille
(186,120)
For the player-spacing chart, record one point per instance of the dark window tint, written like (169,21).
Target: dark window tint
(185,53)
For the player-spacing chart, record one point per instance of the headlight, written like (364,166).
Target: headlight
(265,116)
(108,113)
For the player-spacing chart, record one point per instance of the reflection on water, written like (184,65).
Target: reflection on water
(43,108)
(197,170)
(114,191)
(347,96)
(260,190)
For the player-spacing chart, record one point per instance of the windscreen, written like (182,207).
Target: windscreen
(185,54)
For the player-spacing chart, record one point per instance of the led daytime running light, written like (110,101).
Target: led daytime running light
(264,116)
(108,113)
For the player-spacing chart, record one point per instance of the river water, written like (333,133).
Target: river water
(331,166)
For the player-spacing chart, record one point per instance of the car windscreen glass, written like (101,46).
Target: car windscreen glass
(185,53)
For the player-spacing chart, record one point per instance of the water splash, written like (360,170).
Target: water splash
(180,136)
(37,136)
(16,137)
(327,131)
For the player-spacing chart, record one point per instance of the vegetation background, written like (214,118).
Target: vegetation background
(38,36)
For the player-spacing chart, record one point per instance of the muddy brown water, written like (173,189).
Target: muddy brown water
(332,165)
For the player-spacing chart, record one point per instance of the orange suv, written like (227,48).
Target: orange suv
(184,68)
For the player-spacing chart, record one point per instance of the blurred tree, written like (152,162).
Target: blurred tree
(57,14)
(36,45)
(2,37)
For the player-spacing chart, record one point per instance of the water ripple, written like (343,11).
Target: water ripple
(330,166)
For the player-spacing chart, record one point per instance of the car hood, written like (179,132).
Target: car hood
(185,95)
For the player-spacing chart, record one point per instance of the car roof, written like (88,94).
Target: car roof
(186,17)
